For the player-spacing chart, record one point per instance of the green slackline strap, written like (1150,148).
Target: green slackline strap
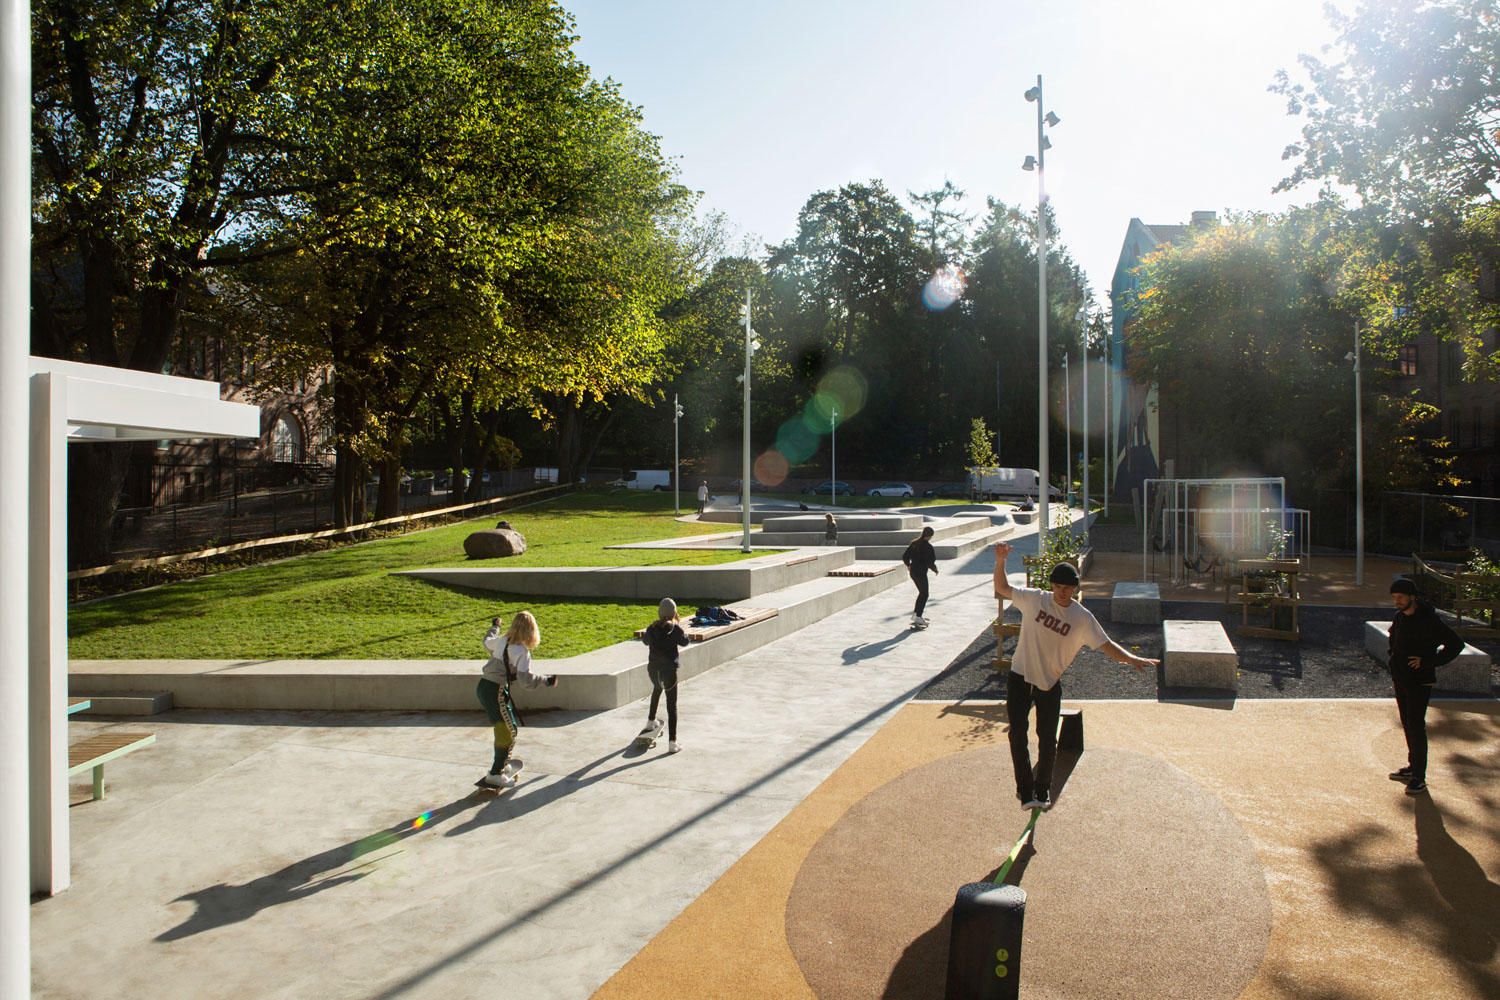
(1015,852)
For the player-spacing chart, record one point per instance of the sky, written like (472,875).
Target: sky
(1163,104)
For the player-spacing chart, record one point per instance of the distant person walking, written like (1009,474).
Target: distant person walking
(663,638)
(919,557)
(509,662)
(1054,627)
(1420,642)
(830,530)
(702,495)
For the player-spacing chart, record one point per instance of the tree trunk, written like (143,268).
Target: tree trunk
(492,426)
(96,472)
(388,499)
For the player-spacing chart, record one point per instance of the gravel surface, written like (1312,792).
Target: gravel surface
(1328,662)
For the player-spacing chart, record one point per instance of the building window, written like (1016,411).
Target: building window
(286,440)
(1406,359)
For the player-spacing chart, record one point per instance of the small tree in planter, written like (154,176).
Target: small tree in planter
(1062,545)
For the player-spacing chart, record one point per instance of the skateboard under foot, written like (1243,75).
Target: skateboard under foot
(512,768)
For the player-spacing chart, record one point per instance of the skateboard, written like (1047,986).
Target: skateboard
(647,738)
(918,626)
(512,768)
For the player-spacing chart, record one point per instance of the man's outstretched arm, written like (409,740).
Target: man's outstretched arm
(1115,651)
(1002,584)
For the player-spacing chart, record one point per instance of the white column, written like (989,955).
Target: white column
(15,322)
(49,634)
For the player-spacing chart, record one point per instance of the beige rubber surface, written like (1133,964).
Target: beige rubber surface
(1370,893)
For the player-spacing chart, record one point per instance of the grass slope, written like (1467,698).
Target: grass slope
(342,604)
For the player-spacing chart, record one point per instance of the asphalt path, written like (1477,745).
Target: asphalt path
(1329,661)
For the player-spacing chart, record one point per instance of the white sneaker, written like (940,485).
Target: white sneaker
(502,780)
(673,746)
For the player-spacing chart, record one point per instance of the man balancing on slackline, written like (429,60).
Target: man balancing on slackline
(1053,628)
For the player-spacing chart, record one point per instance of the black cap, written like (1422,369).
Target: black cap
(1404,586)
(1065,574)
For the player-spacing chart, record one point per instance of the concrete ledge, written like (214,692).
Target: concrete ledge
(1139,603)
(722,584)
(603,679)
(128,703)
(1199,654)
(1469,673)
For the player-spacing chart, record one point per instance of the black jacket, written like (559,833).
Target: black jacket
(919,556)
(1423,634)
(662,639)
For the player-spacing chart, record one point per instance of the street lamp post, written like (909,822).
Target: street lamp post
(1359,470)
(1038,163)
(1109,447)
(1067,434)
(833,462)
(676,459)
(1084,329)
(750,346)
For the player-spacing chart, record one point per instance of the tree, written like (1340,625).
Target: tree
(981,450)
(1245,327)
(146,125)
(1410,119)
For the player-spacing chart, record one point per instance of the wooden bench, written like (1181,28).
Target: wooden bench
(96,751)
(76,705)
(749,616)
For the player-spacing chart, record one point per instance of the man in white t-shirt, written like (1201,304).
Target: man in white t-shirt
(1054,627)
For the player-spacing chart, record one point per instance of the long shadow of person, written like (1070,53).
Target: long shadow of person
(221,905)
(1473,923)
(869,650)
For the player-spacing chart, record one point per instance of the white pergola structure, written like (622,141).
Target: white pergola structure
(73,403)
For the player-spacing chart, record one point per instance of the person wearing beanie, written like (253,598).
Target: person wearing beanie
(1054,627)
(920,557)
(1419,643)
(663,638)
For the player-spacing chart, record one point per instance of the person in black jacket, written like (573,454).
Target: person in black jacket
(1420,642)
(919,557)
(663,637)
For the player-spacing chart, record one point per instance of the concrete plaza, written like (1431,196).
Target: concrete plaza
(345,854)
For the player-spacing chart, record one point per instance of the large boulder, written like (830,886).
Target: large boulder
(493,543)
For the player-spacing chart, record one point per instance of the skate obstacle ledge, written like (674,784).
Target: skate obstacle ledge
(984,949)
(1199,654)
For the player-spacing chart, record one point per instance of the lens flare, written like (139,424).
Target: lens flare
(421,820)
(771,468)
(944,288)
(842,390)
(796,441)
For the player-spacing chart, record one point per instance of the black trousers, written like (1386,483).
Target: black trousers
(664,678)
(920,579)
(1411,704)
(1019,697)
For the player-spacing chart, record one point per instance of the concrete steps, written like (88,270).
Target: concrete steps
(126,702)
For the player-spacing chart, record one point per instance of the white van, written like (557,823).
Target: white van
(647,479)
(1004,484)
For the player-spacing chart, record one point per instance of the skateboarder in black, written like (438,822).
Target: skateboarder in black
(663,637)
(919,557)
(1054,627)
(1420,642)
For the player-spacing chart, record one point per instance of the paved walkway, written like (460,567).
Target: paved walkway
(287,854)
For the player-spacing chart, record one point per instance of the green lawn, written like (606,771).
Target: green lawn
(341,604)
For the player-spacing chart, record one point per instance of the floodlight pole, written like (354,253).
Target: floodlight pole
(833,462)
(1043,442)
(1359,474)
(676,459)
(1085,332)
(745,456)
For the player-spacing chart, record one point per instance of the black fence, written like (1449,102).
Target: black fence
(1399,524)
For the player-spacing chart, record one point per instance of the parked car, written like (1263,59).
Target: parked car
(948,490)
(890,490)
(836,487)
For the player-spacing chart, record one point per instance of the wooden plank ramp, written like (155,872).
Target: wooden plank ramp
(865,569)
(699,633)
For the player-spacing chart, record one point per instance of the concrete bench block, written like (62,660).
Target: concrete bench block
(1469,673)
(1199,654)
(129,703)
(1139,603)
